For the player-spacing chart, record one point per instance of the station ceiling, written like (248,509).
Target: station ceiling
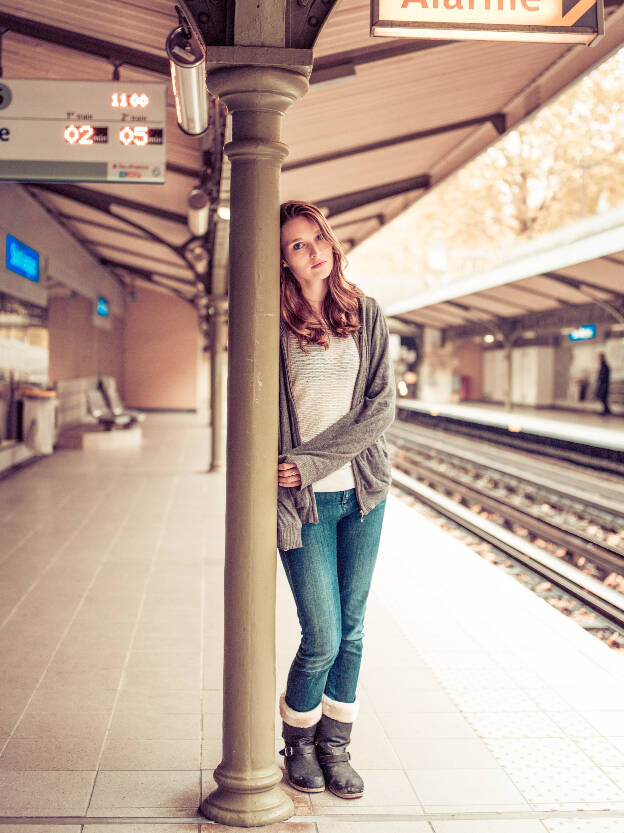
(385,120)
(556,280)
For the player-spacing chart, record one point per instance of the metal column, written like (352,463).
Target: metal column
(257,98)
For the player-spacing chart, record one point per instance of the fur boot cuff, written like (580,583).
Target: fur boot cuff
(301,720)
(344,712)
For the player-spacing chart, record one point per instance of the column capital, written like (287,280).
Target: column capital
(260,88)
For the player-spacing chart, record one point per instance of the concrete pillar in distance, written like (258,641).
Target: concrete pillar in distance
(508,377)
(218,358)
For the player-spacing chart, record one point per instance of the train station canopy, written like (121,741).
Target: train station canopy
(385,120)
(551,280)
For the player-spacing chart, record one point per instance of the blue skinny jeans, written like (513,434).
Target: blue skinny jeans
(330,577)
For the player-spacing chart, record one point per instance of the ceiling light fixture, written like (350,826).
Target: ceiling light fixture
(188,76)
(198,211)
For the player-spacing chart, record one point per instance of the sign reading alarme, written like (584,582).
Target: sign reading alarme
(549,21)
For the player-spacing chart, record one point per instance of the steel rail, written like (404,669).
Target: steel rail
(588,487)
(608,603)
(579,544)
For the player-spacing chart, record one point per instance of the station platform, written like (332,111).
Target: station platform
(483,710)
(571,426)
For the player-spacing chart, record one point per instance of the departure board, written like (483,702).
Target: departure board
(82,131)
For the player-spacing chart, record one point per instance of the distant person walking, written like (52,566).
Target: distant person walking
(602,388)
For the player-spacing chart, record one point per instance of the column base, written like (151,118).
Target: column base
(251,809)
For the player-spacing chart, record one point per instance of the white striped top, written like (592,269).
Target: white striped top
(322,383)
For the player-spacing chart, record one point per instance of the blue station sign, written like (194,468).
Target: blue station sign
(21,259)
(583,333)
(102,306)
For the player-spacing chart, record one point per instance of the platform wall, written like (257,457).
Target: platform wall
(494,375)
(79,345)
(533,376)
(161,352)
(444,365)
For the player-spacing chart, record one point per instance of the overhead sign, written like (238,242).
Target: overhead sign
(549,21)
(102,306)
(82,131)
(21,259)
(583,333)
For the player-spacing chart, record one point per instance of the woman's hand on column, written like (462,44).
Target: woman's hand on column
(288,474)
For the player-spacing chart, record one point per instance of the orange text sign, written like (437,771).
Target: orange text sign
(559,21)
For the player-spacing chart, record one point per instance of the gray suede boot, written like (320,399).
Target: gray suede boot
(302,767)
(332,739)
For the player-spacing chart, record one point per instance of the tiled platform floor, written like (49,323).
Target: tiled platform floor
(483,710)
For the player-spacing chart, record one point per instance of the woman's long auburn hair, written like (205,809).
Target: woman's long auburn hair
(340,306)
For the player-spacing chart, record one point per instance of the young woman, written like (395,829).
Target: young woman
(337,398)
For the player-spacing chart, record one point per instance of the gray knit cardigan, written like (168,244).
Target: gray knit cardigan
(357,436)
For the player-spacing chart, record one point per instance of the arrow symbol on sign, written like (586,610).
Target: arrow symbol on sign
(575,13)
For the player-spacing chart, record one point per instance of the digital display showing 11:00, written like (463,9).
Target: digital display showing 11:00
(138,135)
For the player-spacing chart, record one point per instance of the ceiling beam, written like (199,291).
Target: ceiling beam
(468,309)
(449,310)
(576,283)
(614,303)
(183,170)
(368,55)
(428,312)
(53,211)
(119,54)
(378,218)
(145,278)
(117,264)
(491,295)
(553,320)
(404,320)
(355,199)
(114,52)
(103,202)
(541,293)
(148,258)
(73,218)
(498,120)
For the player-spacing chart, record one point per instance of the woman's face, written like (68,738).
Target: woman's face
(305,250)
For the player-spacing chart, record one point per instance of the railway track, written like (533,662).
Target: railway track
(559,450)
(561,523)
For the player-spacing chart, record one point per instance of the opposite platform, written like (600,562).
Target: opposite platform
(483,709)
(571,426)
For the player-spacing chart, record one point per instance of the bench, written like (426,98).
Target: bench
(87,420)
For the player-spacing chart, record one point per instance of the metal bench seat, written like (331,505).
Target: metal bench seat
(108,388)
(99,410)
